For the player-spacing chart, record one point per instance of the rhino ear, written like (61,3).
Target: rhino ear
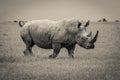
(87,23)
(79,24)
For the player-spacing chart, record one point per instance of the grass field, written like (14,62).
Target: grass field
(101,63)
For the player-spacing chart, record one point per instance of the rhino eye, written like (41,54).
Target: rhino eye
(84,39)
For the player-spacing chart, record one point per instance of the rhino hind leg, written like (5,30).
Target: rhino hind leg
(56,49)
(71,51)
(28,51)
(29,44)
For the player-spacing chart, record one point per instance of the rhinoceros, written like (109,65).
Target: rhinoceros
(55,35)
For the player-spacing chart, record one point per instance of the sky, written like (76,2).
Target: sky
(59,9)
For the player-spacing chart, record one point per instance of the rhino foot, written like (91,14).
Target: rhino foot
(27,53)
(71,56)
(52,56)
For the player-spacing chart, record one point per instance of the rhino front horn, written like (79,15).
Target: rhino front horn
(95,37)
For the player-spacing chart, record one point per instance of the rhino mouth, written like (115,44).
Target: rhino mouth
(92,46)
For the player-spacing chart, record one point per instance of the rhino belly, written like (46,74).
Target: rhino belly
(44,45)
(42,40)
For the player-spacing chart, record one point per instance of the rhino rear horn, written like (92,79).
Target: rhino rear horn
(90,34)
(95,37)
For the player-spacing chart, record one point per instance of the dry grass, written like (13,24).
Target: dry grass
(101,63)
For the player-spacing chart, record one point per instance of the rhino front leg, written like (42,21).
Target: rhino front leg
(71,51)
(56,49)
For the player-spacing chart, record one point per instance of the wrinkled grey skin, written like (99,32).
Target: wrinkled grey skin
(55,35)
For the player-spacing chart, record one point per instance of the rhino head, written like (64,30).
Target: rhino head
(85,39)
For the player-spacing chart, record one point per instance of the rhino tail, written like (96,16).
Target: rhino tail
(21,23)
